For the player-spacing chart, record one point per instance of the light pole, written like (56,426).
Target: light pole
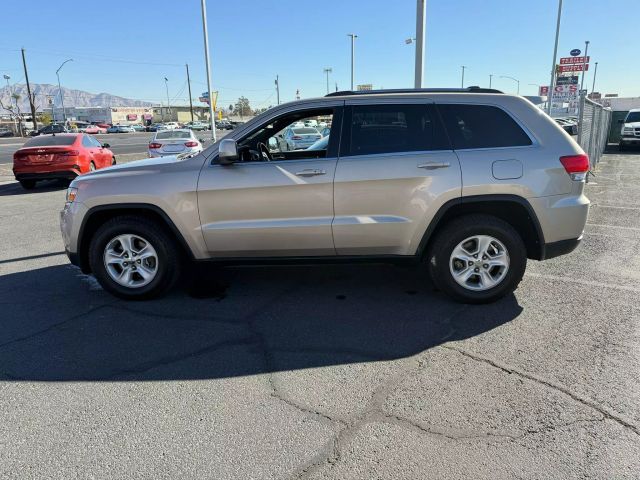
(166,85)
(421,9)
(206,60)
(353,47)
(463,69)
(555,55)
(584,63)
(595,72)
(490,79)
(328,70)
(515,80)
(64,112)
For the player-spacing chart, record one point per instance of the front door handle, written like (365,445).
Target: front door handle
(310,172)
(434,165)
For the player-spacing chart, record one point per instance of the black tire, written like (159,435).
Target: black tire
(621,147)
(92,167)
(169,257)
(461,228)
(113,160)
(28,184)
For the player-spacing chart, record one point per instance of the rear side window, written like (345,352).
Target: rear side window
(50,141)
(393,128)
(481,126)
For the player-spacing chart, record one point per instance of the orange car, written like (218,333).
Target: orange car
(61,156)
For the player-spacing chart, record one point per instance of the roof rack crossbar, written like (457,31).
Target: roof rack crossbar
(414,90)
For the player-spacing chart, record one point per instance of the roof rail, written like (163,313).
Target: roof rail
(473,89)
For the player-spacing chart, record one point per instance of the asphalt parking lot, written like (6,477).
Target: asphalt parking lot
(326,372)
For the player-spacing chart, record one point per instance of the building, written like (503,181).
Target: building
(180,114)
(113,115)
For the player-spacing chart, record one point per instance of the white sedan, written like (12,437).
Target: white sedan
(174,142)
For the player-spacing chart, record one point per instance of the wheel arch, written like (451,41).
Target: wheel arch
(513,209)
(96,216)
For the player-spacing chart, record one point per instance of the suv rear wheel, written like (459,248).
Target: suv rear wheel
(477,259)
(133,258)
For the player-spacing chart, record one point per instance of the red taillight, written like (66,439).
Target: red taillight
(191,144)
(576,166)
(155,145)
(295,137)
(68,153)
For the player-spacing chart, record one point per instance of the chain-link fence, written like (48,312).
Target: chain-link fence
(593,128)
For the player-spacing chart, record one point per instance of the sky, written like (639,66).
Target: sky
(127,48)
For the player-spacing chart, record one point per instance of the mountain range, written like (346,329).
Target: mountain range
(72,98)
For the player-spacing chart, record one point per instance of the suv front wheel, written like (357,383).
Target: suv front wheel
(133,258)
(477,259)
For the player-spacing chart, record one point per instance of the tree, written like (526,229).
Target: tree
(242,106)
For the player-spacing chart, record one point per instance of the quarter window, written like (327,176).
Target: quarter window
(379,129)
(481,126)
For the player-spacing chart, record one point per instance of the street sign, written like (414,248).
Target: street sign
(575,52)
(364,87)
(572,80)
(565,92)
(574,60)
(543,91)
(572,68)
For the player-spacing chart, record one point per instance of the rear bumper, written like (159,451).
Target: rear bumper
(65,174)
(555,249)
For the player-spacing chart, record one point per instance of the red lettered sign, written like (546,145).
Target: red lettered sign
(573,60)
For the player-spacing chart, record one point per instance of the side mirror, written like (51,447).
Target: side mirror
(105,145)
(227,152)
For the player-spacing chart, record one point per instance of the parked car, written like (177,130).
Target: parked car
(466,183)
(6,132)
(311,123)
(630,132)
(79,127)
(569,127)
(172,125)
(138,128)
(197,126)
(301,138)
(120,129)
(297,124)
(95,129)
(225,125)
(59,156)
(174,142)
(49,129)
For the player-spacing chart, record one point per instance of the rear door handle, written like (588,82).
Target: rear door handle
(434,165)
(310,172)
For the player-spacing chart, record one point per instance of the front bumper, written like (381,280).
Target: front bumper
(71,217)
(555,249)
(630,140)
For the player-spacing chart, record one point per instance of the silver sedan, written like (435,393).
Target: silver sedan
(174,142)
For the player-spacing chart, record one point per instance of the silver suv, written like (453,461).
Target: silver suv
(469,183)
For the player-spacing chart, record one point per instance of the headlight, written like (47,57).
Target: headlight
(72,192)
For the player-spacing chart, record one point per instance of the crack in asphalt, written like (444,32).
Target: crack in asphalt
(559,388)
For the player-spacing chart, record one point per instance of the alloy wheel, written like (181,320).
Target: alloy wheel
(479,262)
(130,260)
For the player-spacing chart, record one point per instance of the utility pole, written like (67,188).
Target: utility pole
(166,84)
(31,102)
(353,45)
(328,70)
(212,119)
(553,65)
(463,69)
(490,78)
(189,84)
(278,89)
(595,72)
(584,63)
(64,112)
(421,7)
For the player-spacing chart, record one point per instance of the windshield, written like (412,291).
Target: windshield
(172,134)
(632,117)
(50,140)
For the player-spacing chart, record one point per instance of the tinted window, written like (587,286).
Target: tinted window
(633,117)
(481,126)
(86,142)
(173,134)
(50,140)
(393,128)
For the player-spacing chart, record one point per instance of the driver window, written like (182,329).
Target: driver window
(299,135)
